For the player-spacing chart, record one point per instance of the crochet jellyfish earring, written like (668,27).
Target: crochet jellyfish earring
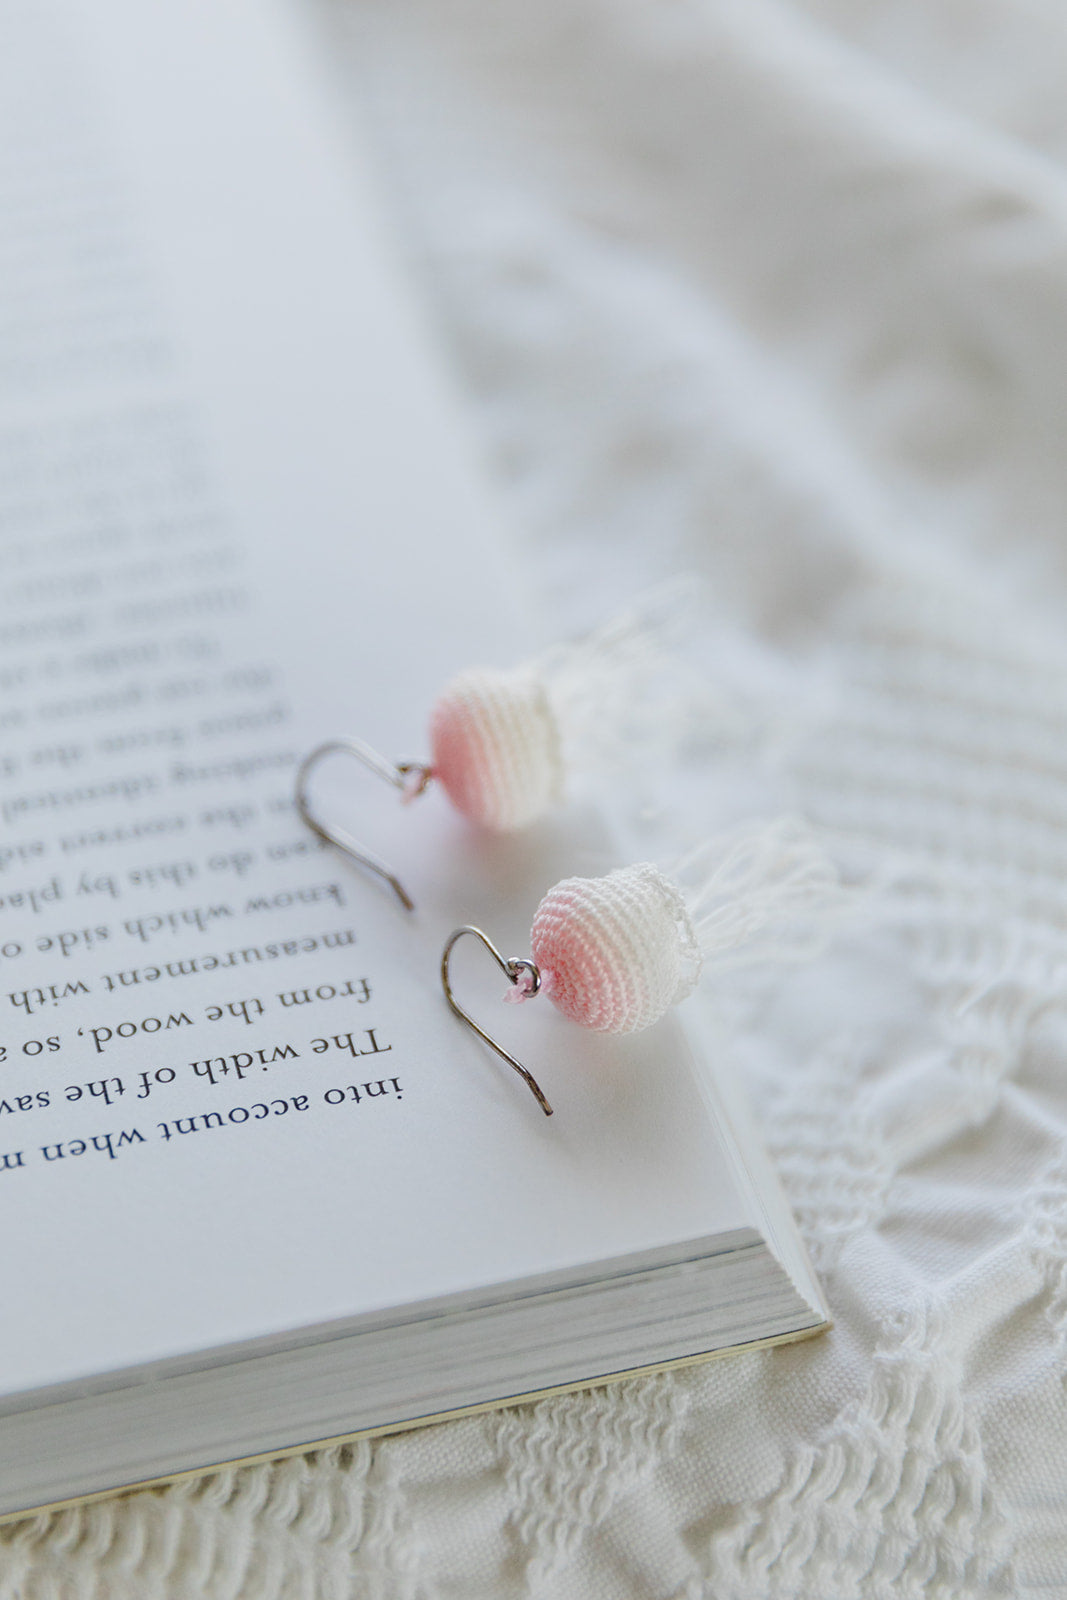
(502,742)
(614,954)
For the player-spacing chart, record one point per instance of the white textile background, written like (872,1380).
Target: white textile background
(773,291)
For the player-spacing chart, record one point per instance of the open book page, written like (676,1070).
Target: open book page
(238,517)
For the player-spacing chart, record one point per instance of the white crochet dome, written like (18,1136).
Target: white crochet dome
(616,952)
(496,747)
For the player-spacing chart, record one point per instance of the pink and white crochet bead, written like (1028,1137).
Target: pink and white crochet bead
(502,742)
(496,748)
(496,751)
(616,953)
(612,953)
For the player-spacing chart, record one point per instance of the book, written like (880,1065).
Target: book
(262,1190)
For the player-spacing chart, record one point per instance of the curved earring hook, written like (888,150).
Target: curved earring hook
(513,967)
(400,775)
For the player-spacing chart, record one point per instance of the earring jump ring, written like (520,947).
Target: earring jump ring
(513,968)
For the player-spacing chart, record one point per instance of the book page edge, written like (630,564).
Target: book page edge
(524,1397)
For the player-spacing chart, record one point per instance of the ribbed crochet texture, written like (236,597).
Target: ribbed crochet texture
(504,742)
(496,747)
(616,952)
(781,381)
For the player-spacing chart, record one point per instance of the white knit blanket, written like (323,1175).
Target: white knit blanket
(775,293)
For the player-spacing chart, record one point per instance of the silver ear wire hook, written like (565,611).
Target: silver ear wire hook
(513,968)
(399,774)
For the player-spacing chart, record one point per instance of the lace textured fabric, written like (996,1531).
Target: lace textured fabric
(777,292)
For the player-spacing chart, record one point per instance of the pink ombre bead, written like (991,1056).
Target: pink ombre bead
(620,950)
(495,748)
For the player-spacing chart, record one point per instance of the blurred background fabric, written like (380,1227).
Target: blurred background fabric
(774,294)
